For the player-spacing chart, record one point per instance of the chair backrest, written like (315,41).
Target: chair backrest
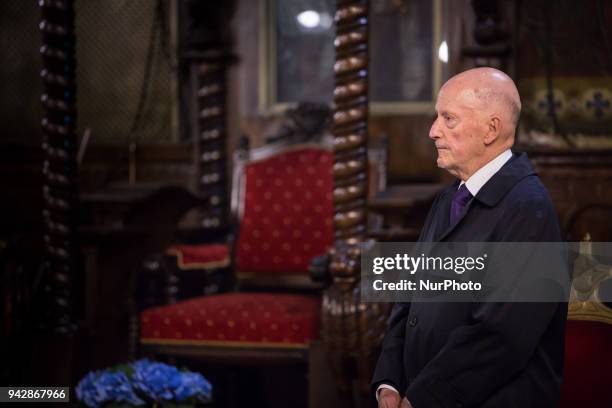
(588,339)
(283,202)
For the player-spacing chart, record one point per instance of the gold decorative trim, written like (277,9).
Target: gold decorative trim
(225,262)
(261,154)
(589,311)
(213,343)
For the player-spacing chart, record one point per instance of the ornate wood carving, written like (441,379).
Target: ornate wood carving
(59,166)
(206,51)
(351,119)
(589,273)
(578,183)
(352,330)
(209,75)
(491,45)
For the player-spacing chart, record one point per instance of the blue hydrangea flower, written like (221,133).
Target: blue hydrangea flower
(87,392)
(193,385)
(153,381)
(106,386)
(118,387)
(156,380)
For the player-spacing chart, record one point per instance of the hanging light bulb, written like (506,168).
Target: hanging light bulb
(443,52)
(309,18)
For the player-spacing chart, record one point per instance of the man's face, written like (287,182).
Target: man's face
(458,130)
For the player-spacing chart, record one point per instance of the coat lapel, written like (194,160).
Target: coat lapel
(490,194)
(442,224)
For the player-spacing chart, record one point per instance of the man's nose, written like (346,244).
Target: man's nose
(434,131)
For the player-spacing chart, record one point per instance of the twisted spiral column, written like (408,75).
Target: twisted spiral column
(59,166)
(211,118)
(352,330)
(350,119)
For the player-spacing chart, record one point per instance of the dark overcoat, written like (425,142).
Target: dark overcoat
(481,354)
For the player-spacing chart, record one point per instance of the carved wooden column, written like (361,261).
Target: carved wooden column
(209,76)
(60,167)
(206,50)
(351,119)
(351,330)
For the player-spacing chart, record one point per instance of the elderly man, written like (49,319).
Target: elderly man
(478,354)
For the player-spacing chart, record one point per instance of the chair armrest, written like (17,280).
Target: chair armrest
(346,261)
(341,261)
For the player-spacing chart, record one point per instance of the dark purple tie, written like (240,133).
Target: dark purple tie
(461,198)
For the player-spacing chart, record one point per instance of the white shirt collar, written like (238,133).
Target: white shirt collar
(484,174)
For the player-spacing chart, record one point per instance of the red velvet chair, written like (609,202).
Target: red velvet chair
(282,202)
(588,340)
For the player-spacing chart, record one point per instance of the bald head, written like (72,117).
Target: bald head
(477,113)
(495,91)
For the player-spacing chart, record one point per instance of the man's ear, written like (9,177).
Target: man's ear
(493,130)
